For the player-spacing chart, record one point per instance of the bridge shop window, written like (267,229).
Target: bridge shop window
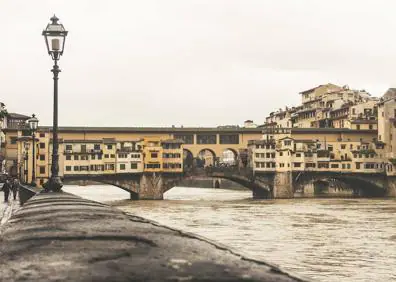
(99,157)
(154,155)
(76,157)
(206,138)
(109,166)
(310,165)
(109,147)
(229,138)
(369,166)
(68,157)
(42,157)
(171,146)
(135,156)
(122,166)
(69,147)
(96,146)
(134,165)
(75,168)
(42,169)
(335,166)
(84,168)
(323,165)
(68,168)
(153,165)
(42,145)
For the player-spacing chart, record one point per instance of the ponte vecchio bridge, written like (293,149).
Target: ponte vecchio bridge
(216,141)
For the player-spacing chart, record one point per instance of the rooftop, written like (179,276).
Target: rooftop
(17,116)
(330,130)
(151,129)
(364,121)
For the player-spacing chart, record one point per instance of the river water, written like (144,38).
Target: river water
(320,239)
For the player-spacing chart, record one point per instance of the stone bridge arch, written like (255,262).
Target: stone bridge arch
(131,183)
(362,184)
(261,186)
(225,156)
(206,157)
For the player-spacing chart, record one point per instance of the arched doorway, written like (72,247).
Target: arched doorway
(229,157)
(206,157)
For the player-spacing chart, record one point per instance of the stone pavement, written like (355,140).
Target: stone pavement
(61,237)
(7,209)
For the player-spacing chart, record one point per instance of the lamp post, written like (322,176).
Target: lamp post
(55,37)
(33,124)
(26,157)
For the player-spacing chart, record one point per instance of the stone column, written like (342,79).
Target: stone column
(283,185)
(309,190)
(391,186)
(151,187)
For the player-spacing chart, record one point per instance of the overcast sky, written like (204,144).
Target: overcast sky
(191,63)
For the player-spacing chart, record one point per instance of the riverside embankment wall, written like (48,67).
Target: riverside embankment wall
(61,237)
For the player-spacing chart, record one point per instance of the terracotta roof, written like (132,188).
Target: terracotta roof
(389,94)
(364,121)
(109,141)
(152,129)
(330,130)
(311,90)
(17,116)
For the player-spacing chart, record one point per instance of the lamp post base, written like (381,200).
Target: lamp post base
(54,184)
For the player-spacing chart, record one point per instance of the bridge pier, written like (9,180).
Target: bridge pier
(151,187)
(309,190)
(283,185)
(391,186)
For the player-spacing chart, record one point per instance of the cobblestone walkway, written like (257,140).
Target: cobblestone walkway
(6,209)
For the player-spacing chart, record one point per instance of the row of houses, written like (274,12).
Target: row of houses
(361,138)
(97,156)
(328,106)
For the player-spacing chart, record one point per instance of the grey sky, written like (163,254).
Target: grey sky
(196,63)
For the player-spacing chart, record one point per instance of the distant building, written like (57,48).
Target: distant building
(249,124)
(327,106)
(319,149)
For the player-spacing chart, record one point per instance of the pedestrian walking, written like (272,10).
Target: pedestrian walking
(6,190)
(15,187)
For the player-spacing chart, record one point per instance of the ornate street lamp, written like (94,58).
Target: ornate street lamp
(26,145)
(33,124)
(55,37)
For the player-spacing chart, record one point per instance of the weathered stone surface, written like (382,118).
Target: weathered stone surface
(283,185)
(61,237)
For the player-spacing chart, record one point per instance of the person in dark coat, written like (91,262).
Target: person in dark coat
(15,187)
(6,190)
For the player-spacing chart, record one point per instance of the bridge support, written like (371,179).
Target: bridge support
(151,187)
(283,185)
(391,186)
(309,189)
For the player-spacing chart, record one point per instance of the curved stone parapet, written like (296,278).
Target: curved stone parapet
(61,237)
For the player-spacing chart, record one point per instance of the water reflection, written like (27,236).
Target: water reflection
(323,239)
